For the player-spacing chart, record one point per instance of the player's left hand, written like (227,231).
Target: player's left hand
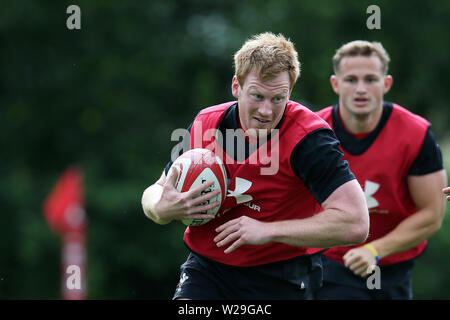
(447,192)
(360,260)
(240,231)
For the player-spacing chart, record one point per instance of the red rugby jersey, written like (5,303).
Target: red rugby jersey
(382,171)
(274,197)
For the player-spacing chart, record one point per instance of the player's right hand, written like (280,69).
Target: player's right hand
(175,205)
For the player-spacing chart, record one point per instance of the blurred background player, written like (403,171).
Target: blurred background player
(269,253)
(394,156)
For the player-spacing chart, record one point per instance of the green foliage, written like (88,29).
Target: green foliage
(108,96)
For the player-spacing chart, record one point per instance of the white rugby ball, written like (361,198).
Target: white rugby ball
(195,167)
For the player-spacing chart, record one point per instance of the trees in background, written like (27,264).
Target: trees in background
(107,97)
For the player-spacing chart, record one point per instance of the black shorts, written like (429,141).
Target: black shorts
(205,279)
(339,283)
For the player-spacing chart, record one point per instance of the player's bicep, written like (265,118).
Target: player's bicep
(348,197)
(317,160)
(425,191)
(347,205)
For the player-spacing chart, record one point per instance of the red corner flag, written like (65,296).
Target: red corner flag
(62,207)
(63,210)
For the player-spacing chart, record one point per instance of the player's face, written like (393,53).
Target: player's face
(261,103)
(361,85)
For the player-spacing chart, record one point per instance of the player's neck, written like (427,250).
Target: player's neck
(360,123)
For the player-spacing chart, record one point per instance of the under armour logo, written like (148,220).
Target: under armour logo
(369,190)
(242,186)
(183,278)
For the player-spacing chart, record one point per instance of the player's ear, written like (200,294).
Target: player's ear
(235,86)
(334,84)
(388,80)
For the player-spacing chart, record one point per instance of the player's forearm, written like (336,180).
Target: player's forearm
(327,229)
(150,198)
(408,234)
(344,221)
